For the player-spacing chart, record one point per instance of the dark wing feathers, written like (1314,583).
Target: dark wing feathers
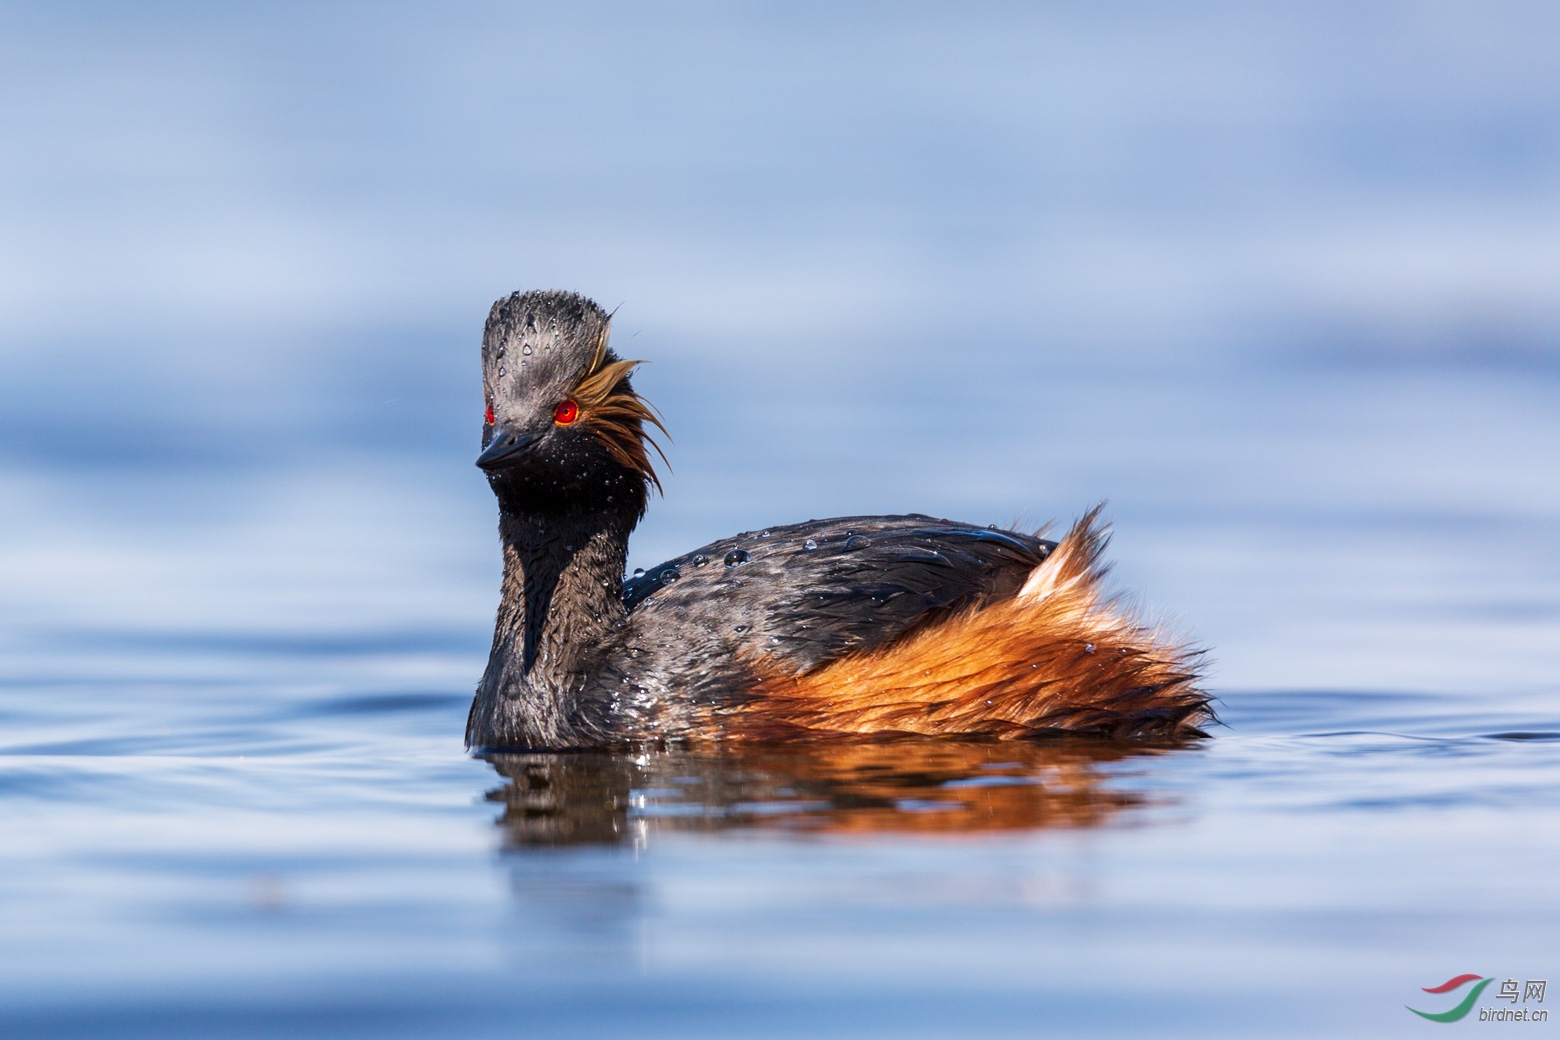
(805,594)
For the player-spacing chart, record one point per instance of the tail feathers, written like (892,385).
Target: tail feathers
(1058,657)
(1074,565)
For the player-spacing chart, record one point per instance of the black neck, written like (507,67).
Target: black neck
(563,587)
(562,596)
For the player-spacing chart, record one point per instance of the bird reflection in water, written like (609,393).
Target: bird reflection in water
(908,786)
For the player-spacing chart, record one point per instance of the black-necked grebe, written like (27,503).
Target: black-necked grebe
(857,625)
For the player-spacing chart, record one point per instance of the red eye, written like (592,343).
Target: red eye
(488,415)
(566,412)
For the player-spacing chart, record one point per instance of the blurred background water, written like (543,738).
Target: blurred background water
(1279,281)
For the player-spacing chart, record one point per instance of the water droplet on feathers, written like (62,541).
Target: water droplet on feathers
(855,541)
(739,629)
(810,544)
(639,572)
(737,557)
(774,640)
(700,560)
(1088,648)
(670,575)
(526,350)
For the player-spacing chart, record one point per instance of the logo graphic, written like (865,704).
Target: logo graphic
(1467,1002)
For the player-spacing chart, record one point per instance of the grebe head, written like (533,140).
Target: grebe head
(563,429)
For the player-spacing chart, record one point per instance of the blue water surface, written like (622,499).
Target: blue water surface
(1279,282)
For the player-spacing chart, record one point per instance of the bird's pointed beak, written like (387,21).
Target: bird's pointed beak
(506,447)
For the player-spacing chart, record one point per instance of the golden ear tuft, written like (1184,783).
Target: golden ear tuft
(616,415)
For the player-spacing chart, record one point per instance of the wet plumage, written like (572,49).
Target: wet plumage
(874,624)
